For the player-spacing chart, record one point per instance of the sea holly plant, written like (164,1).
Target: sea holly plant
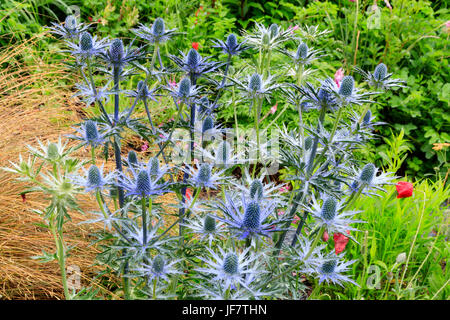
(234,234)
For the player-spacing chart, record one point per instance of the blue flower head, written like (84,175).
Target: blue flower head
(330,270)
(71,28)
(157,33)
(93,179)
(231,45)
(90,135)
(142,184)
(249,218)
(87,46)
(194,64)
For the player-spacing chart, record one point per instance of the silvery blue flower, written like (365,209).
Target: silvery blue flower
(207,227)
(118,56)
(304,55)
(329,214)
(232,268)
(300,253)
(267,38)
(157,33)
(380,78)
(204,176)
(90,135)
(70,29)
(331,268)
(321,97)
(158,268)
(184,91)
(231,45)
(141,183)
(91,95)
(93,179)
(249,218)
(142,92)
(194,64)
(347,93)
(368,180)
(256,189)
(87,46)
(257,87)
(136,246)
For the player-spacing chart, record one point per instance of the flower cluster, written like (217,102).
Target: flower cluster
(236,221)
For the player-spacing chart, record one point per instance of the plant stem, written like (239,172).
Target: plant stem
(316,241)
(144,219)
(93,154)
(61,256)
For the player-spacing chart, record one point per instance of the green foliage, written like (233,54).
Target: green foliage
(403,246)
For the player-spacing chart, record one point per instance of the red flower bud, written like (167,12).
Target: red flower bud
(404,189)
(195,45)
(325,236)
(188,194)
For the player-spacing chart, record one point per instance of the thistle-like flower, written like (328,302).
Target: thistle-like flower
(118,56)
(71,28)
(331,215)
(142,184)
(380,78)
(87,46)
(194,64)
(249,218)
(368,180)
(90,135)
(157,33)
(303,55)
(132,159)
(142,92)
(232,268)
(231,45)
(331,268)
(347,93)
(267,38)
(203,176)
(207,227)
(184,91)
(91,95)
(93,179)
(300,253)
(158,268)
(256,189)
(257,87)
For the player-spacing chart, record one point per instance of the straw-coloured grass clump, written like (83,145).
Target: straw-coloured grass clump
(33,104)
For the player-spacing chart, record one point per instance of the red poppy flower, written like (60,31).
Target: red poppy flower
(195,45)
(90,19)
(404,189)
(340,242)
